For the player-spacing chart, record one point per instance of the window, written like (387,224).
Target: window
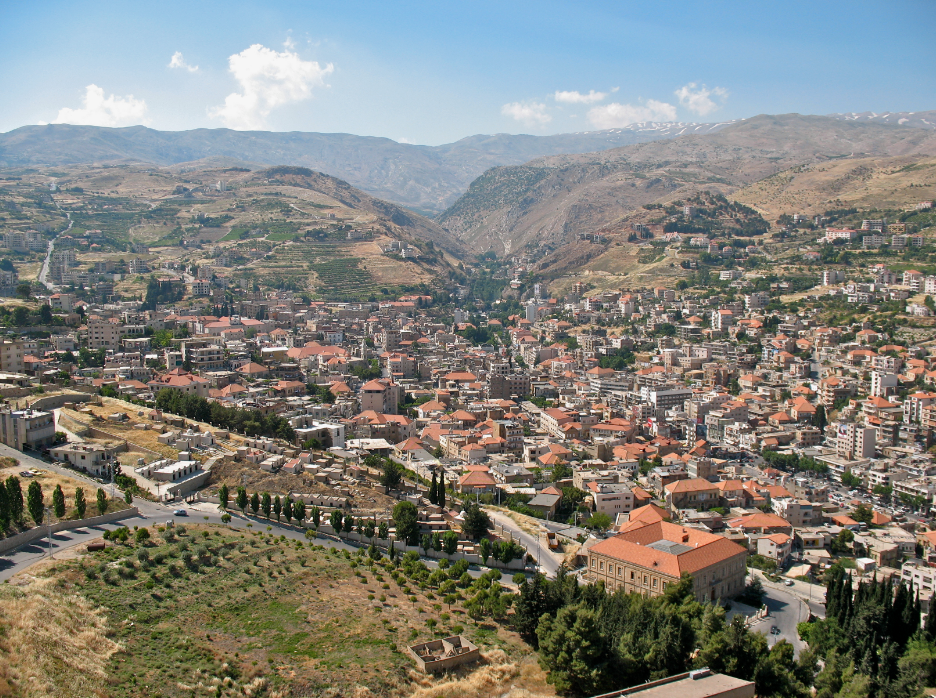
(645,580)
(654,583)
(632,575)
(594,562)
(601,566)
(620,570)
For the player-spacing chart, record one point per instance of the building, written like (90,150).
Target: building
(11,356)
(854,441)
(700,683)
(27,428)
(103,335)
(381,396)
(650,556)
(91,458)
(693,493)
(506,386)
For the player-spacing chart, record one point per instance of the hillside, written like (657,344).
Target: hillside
(428,178)
(284,228)
(549,202)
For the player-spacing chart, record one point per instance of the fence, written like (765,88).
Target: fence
(39,532)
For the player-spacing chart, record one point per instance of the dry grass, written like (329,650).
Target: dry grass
(498,676)
(48,481)
(54,644)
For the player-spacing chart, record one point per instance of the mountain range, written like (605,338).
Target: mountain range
(428,179)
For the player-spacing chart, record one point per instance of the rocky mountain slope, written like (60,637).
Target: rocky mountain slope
(549,201)
(426,178)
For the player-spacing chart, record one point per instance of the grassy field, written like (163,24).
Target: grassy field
(214,612)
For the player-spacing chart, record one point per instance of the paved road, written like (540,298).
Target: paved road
(786,611)
(548,563)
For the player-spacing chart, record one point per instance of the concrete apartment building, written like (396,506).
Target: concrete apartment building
(854,441)
(11,356)
(27,428)
(650,556)
(103,335)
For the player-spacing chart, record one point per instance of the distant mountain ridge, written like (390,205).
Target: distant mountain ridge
(426,178)
(548,202)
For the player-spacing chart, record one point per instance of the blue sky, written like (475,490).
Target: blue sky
(434,72)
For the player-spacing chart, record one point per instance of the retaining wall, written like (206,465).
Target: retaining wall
(39,532)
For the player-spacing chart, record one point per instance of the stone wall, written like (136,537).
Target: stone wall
(39,532)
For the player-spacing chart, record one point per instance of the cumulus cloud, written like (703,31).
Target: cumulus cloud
(99,110)
(573,97)
(178,62)
(616,115)
(528,113)
(268,79)
(698,98)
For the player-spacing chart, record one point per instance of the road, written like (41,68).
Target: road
(44,271)
(786,611)
(548,563)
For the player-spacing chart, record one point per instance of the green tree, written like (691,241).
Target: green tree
(242,500)
(277,507)
(101,501)
(316,515)
(299,510)
(821,420)
(24,291)
(437,452)
(485,549)
(392,474)
(432,489)
(477,523)
(128,496)
(863,514)
(406,520)
(383,530)
(34,504)
(266,504)
(58,501)
(336,520)
(80,504)
(599,521)
(288,508)
(14,495)
(348,525)
(223,496)
(572,649)
(255,503)
(450,542)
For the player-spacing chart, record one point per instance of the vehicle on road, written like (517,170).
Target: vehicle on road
(25,473)
(774,630)
(788,582)
(180,512)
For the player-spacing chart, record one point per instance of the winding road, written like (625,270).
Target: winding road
(44,271)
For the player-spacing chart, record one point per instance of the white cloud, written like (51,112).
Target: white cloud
(101,111)
(528,113)
(698,98)
(616,115)
(178,62)
(573,97)
(268,79)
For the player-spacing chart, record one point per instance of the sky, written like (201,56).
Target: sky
(435,72)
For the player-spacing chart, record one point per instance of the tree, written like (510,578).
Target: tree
(266,504)
(34,503)
(255,503)
(440,492)
(432,489)
(572,650)
(406,520)
(370,528)
(561,471)
(101,501)
(348,524)
(223,496)
(336,519)
(383,530)
(450,542)
(288,509)
(821,419)
(128,496)
(299,510)
(277,507)
(863,514)
(477,523)
(485,549)
(316,515)
(425,541)
(80,504)
(58,501)
(24,291)
(599,521)
(392,474)
(437,452)
(14,495)
(242,500)
(850,480)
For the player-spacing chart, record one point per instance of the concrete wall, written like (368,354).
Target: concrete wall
(53,402)
(34,534)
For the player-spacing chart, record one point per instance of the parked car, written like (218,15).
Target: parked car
(25,473)
(788,582)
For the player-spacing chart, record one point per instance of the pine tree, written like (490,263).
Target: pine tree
(101,501)
(255,503)
(266,504)
(6,516)
(34,502)
(15,498)
(80,504)
(440,492)
(432,489)
(223,496)
(277,507)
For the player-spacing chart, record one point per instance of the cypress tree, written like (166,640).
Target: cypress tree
(432,489)
(15,498)
(5,513)
(440,492)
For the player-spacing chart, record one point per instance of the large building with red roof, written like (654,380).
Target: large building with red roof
(648,558)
